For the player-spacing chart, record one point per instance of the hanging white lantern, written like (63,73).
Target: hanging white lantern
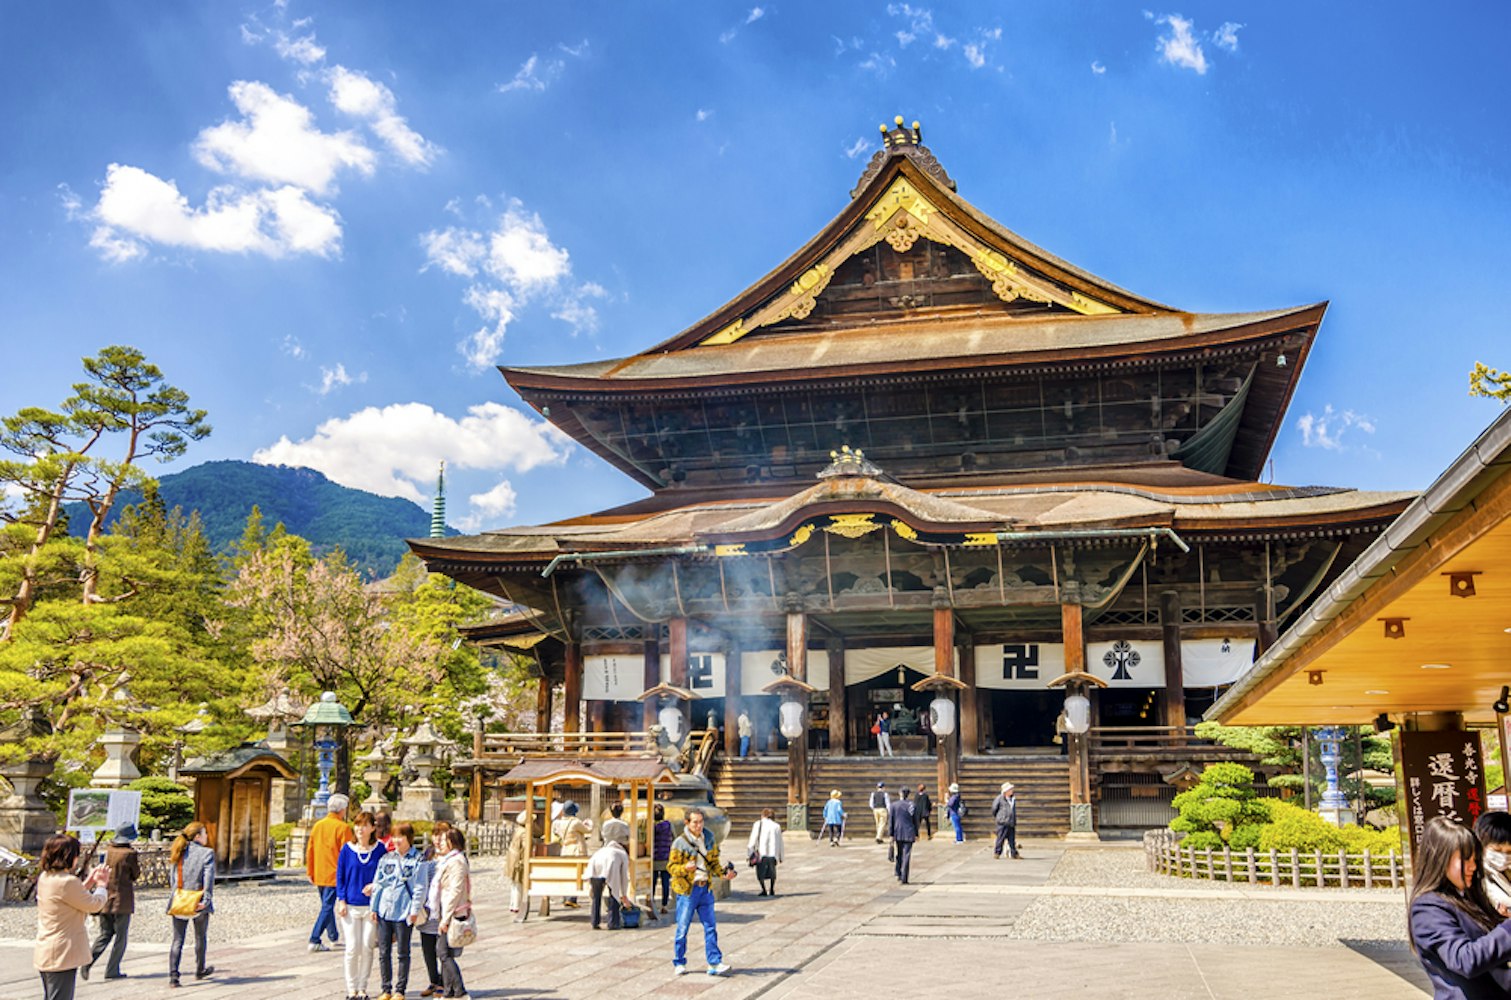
(1077,713)
(942,716)
(670,718)
(791,714)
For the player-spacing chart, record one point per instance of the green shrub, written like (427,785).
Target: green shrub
(280,831)
(1220,802)
(1246,836)
(1201,840)
(166,805)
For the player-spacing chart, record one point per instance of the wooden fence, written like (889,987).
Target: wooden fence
(1288,868)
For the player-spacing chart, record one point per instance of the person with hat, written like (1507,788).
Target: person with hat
(572,833)
(120,902)
(514,865)
(1005,815)
(609,871)
(881,803)
(954,808)
(834,819)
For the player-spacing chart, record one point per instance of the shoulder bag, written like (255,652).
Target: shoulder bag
(185,901)
(462,930)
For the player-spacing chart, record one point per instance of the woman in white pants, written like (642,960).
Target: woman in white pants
(356,869)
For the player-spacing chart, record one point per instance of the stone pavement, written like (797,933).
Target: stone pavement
(842,927)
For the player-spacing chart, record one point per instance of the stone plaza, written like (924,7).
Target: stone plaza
(1066,920)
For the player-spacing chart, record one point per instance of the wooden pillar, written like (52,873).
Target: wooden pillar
(1074,637)
(732,700)
(970,704)
(571,689)
(651,679)
(797,665)
(1264,617)
(677,671)
(475,795)
(1175,678)
(945,752)
(839,708)
(543,705)
(598,712)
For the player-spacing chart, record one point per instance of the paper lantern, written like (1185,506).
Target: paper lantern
(670,718)
(1077,713)
(791,719)
(942,716)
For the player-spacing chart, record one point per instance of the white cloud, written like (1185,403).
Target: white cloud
(533,75)
(1180,47)
(301,50)
(453,249)
(292,347)
(725,37)
(1226,37)
(360,96)
(879,63)
(920,22)
(137,207)
(575,51)
(858,147)
(393,450)
(975,55)
(942,41)
(497,502)
(334,378)
(510,266)
(704,114)
(276,141)
(1098,68)
(756,13)
(1326,430)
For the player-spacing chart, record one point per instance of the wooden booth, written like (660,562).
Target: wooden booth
(233,794)
(547,873)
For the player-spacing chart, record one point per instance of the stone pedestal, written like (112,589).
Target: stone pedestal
(375,772)
(25,820)
(286,804)
(1339,816)
(118,771)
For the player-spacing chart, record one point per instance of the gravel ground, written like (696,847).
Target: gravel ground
(245,907)
(1380,922)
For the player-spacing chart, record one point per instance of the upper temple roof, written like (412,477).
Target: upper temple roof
(912,305)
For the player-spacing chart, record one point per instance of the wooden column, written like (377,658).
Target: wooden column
(1264,617)
(1074,637)
(598,712)
(732,700)
(677,671)
(970,703)
(945,751)
(543,705)
(1175,678)
(651,679)
(797,666)
(571,689)
(839,708)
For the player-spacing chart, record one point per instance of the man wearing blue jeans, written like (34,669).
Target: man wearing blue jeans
(693,865)
(324,846)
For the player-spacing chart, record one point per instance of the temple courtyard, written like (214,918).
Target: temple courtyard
(1066,920)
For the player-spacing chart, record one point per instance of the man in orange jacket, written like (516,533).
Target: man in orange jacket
(327,837)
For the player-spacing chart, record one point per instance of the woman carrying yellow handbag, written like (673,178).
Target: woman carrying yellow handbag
(192,868)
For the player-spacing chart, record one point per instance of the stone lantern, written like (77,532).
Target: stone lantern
(25,820)
(422,798)
(374,769)
(119,770)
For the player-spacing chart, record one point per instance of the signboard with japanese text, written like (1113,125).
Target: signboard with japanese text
(1443,773)
(613,678)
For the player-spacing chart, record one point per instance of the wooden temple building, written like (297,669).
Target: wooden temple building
(923,457)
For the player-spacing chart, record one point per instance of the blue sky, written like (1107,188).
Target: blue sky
(328,223)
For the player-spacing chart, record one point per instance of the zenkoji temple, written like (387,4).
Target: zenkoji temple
(923,457)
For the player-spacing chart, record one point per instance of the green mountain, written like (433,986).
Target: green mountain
(369,528)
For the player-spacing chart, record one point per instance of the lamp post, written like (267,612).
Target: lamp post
(328,719)
(792,721)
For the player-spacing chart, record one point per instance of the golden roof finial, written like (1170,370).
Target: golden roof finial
(899,134)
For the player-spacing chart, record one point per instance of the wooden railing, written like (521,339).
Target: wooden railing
(1159,741)
(569,745)
(1292,868)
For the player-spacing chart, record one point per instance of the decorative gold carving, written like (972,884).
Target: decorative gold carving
(728,335)
(1089,307)
(737,549)
(851,525)
(807,289)
(801,535)
(903,236)
(980,538)
(901,197)
(904,531)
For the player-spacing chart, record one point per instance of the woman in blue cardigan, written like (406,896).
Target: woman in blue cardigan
(1456,933)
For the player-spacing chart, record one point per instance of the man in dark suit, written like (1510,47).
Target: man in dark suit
(904,829)
(923,810)
(1005,815)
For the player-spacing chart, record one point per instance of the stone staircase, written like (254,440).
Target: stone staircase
(745,787)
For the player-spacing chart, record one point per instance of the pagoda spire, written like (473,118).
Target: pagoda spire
(438,509)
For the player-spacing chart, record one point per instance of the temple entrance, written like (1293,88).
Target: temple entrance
(1129,707)
(1022,719)
(891,692)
